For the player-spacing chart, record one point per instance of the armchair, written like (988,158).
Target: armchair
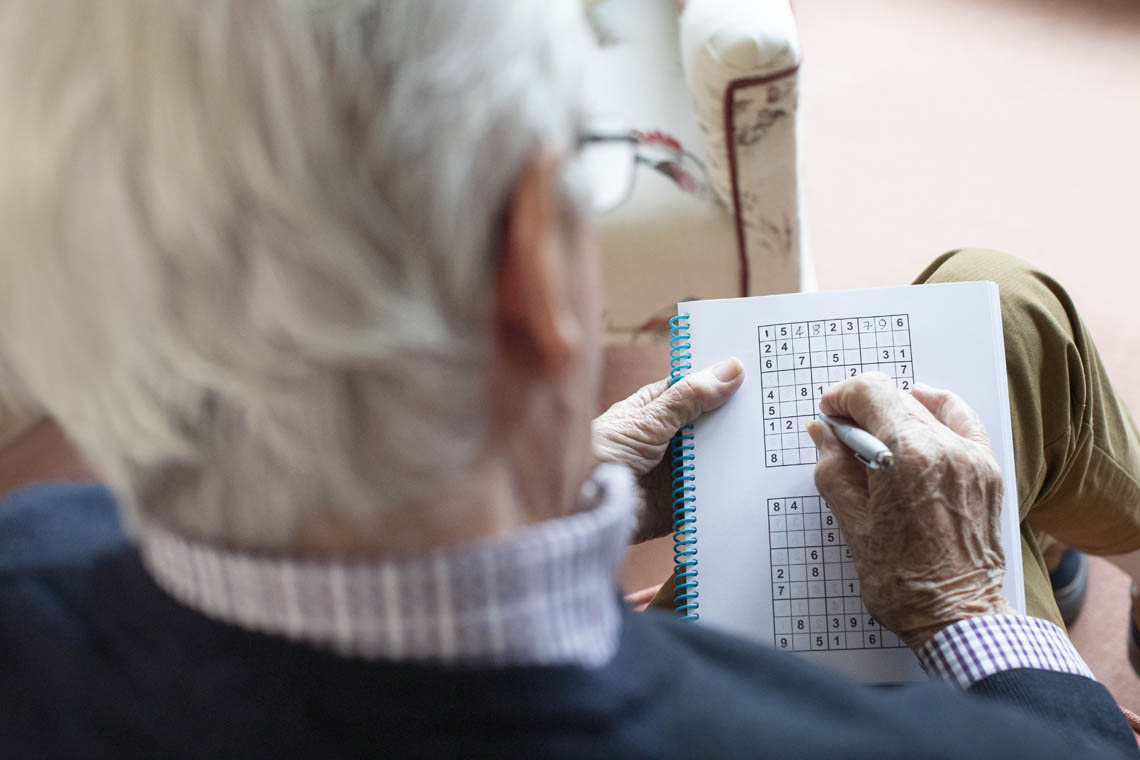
(722,77)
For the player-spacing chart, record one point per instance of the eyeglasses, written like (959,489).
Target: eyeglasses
(609,159)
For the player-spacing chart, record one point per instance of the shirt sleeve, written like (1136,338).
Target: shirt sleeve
(976,648)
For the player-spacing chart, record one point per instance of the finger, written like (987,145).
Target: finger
(641,598)
(641,397)
(646,393)
(840,478)
(871,400)
(693,395)
(953,412)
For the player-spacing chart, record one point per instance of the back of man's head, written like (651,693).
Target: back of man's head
(246,242)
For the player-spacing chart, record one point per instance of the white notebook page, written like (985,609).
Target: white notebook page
(756,505)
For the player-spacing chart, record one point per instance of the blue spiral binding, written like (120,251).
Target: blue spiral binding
(684,502)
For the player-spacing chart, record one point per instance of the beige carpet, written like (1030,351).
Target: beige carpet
(1011,124)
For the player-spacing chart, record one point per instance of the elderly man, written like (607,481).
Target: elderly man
(311,286)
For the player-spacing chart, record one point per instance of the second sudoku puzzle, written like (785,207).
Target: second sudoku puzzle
(799,360)
(816,595)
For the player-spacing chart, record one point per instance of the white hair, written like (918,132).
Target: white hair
(248,244)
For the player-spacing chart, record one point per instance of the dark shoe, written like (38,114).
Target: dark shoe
(1133,635)
(1070,581)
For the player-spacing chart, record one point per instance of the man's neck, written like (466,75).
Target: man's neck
(492,499)
(40,453)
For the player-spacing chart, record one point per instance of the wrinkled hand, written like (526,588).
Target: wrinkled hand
(636,432)
(925,534)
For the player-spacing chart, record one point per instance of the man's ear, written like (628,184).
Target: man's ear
(536,321)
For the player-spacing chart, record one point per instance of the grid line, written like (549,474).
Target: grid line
(800,360)
(816,596)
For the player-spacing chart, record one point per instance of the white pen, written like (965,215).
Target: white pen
(868,449)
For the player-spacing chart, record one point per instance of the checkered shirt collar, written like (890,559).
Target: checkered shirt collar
(544,595)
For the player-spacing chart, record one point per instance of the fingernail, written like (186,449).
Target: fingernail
(727,369)
(813,430)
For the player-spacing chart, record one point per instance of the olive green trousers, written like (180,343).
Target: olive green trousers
(1076,448)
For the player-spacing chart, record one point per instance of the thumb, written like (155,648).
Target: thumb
(949,409)
(695,394)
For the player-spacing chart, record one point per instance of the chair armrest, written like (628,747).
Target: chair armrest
(741,63)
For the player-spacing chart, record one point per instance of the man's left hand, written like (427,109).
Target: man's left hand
(636,432)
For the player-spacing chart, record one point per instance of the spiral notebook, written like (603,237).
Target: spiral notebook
(757,551)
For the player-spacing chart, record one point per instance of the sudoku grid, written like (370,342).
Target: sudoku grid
(799,360)
(816,602)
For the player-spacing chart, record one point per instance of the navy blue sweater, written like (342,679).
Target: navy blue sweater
(96,661)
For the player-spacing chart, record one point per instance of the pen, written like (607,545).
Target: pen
(868,449)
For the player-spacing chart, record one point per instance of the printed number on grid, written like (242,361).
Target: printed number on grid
(816,598)
(799,360)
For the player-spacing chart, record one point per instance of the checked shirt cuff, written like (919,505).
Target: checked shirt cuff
(976,648)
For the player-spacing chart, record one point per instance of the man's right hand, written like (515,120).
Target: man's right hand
(925,534)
